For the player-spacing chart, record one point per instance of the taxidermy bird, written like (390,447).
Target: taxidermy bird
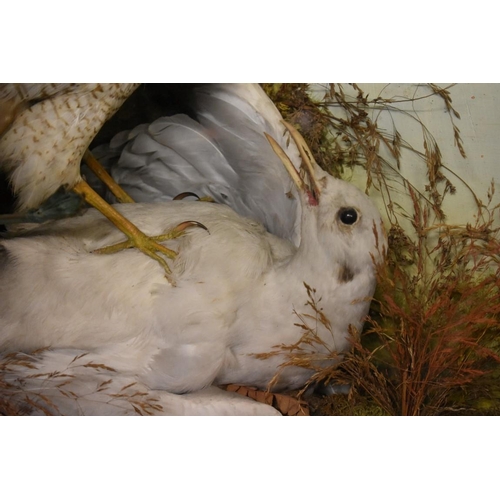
(237,289)
(45,130)
(220,151)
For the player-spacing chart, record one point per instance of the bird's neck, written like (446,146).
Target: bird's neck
(312,257)
(324,262)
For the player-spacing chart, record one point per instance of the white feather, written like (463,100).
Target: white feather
(238,286)
(73,382)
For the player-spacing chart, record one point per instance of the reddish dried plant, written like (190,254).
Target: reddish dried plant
(437,308)
(436,314)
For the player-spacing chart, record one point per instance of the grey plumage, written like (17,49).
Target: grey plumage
(222,153)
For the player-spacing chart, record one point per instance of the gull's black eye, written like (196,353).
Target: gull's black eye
(348,216)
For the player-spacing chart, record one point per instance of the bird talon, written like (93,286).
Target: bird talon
(186,194)
(149,245)
(190,223)
(181,196)
(179,230)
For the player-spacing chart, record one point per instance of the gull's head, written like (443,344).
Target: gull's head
(340,225)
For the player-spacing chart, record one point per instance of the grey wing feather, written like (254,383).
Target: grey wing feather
(223,154)
(237,115)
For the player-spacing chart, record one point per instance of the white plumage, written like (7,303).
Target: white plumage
(237,288)
(71,382)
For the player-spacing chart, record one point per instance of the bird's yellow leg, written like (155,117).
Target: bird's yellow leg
(101,173)
(175,233)
(136,238)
